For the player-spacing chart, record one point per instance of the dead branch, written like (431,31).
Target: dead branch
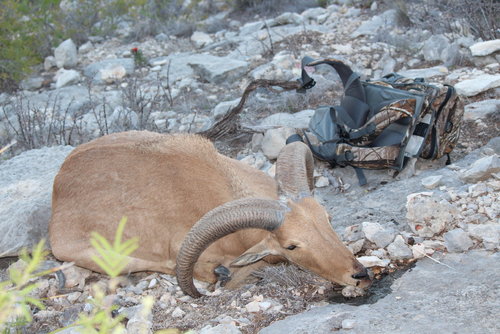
(229,123)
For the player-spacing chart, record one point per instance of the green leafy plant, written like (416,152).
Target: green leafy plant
(113,257)
(15,298)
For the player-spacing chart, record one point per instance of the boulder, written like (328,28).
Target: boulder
(485,48)
(32,83)
(429,215)
(479,84)
(25,195)
(66,54)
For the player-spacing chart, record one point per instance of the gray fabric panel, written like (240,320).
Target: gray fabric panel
(321,124)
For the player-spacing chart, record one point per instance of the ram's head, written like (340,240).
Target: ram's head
(300,230)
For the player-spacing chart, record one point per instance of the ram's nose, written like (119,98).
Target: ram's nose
(361,274)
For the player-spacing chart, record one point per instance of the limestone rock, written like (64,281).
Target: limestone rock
(432,182)
(49,63)
(217,70)
(485,48)
(481,169)
(425,72)
(109,70)
(428,215)
(66,78)
(223,108)
(457,240)
(201,39)
(489,234)
(481,109)
(66,54)
(25,194)
(479,84)
(274,140)
(32,83)
(371,27)
(377,234)
(299,120)
(373,261)
(399,250)
(434,46)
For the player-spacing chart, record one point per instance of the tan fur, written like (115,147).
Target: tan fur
(164,184)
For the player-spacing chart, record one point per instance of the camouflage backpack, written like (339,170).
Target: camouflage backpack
(383,123)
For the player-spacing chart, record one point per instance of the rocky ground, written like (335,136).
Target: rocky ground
(443,218)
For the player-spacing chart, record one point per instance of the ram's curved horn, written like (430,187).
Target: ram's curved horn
(228,218)
(294,170)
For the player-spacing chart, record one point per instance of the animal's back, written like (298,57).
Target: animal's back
(163,184)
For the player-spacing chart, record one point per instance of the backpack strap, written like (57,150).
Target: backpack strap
(434,137)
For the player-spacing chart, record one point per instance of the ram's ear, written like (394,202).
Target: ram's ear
(254,254)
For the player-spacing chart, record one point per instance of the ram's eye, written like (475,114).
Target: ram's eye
(291,247)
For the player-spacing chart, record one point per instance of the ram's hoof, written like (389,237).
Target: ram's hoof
(223,275)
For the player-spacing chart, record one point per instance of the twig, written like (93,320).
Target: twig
(433,259)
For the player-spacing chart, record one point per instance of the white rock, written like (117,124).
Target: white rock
(178,313)
(352,291)
(201,39)
(373,261)
(274,140)
(377,234)
(66,55)
(432,182)
(489,234)
(253,307)
(418,251)
(485,48)
(398,250)
(66,78)
(322,182)
(481,169)
(457,240)
(481,109)
(152,283)
(25,193)
(428,215)
(479,84)
(357,246)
